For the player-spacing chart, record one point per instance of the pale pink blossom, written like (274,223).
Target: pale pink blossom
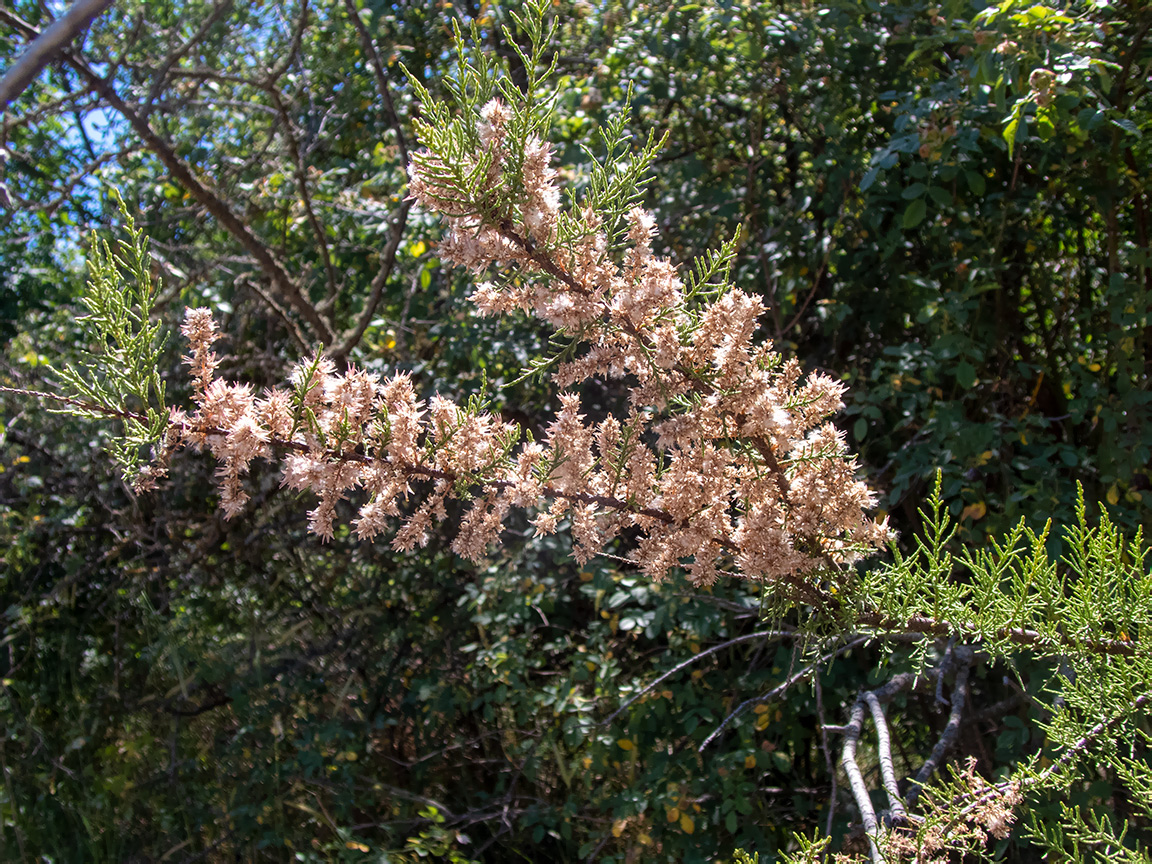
(746,470)
(494,117)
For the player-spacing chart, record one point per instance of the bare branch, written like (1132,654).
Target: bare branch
(46,45)
(353,336)
(884,754)
(856,780)
(780,688)
(763,634)
(828,761)
(278,71)
(951,730)
(860,794)
(1017,635)
(305,195)
(1088,737)
(161,74)
(279,278)
(67,102)
(293,328)
(64,192)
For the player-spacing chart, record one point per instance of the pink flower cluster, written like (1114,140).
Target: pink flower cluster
(726,458)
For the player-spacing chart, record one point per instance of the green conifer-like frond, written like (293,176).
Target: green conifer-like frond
(618,176)
(118,374)
(707,278)
(1095,601)
(1083,836)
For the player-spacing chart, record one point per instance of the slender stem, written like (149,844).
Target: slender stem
(763,634)
(780,688)
(828,761)
(381,79)
(851,732)
(884,753)
(949,735)
(856,779)
(387,264)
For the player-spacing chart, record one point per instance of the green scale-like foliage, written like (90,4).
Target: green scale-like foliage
(118,371)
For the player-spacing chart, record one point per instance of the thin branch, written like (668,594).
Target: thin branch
(46,45)
(388,262)
(780,688)
(692,379)
(278,71)
(402,325)
(829,764)
(999,790)
(1084,741)
(856,780)
(763,634)
(997,710)
(292,327)
(412,796)
(911,626)
(592,856)
(1017,635)
(811,293)
(44,109)
(306,196)
(64,195)
(173,58)
(202,708)
(951,729)
(201,73)
(884,755)
(90,407)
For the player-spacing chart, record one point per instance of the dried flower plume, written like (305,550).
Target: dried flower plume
(726,459)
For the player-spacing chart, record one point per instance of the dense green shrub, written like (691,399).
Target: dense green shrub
(184,687)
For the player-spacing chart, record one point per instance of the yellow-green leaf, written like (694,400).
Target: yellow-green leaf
(974,512)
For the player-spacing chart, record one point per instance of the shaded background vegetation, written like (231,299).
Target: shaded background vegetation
(964,242)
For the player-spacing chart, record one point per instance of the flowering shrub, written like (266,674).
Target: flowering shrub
(725,459)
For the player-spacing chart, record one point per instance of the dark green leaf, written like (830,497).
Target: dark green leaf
(965,374)
(914,214)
